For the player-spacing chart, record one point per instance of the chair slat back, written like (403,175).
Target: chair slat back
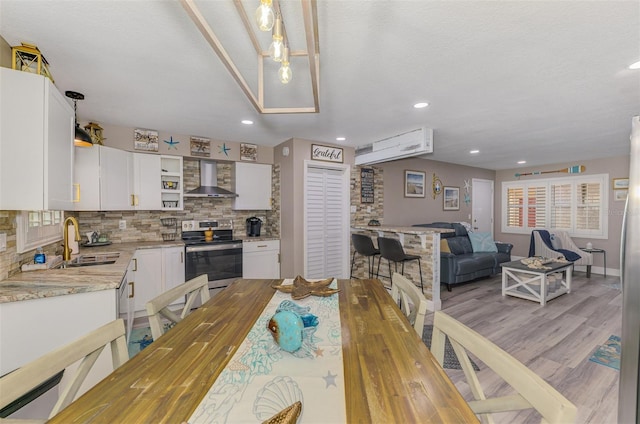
(412,301)
(532,390)
(158,307)
(87,349)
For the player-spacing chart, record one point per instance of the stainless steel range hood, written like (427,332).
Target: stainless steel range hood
(209,182)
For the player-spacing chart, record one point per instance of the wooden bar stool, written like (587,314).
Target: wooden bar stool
(392,251)
(364,245)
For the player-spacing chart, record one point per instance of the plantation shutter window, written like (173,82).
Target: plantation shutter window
(561,206)
(588,210)
(515,207)
(573,204)
(537,206)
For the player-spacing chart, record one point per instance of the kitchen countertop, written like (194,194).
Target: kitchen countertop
(261,238)
(404,230)
(59,282)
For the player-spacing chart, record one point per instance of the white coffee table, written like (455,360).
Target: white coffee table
(539,285)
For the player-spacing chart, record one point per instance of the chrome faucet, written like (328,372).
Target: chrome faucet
(66,253)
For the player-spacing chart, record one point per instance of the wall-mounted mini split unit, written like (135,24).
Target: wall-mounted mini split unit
(408,144)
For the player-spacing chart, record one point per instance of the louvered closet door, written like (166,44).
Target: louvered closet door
(325,223)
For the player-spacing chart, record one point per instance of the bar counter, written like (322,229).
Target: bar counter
(421,241)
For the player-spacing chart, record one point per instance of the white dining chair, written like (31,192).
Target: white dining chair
(86,349)
(160,306)
(412,301)
(531,390)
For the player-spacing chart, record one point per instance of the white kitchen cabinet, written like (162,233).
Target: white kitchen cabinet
(116,179)
(173,266)
(36,144)
(87,178)
(126,293)
(103,179)
(261,259)
(113,179)
(31,328)
(252,183)
(148,277)
(156,271)
(146,181)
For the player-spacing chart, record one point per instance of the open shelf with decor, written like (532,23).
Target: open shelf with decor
(171,182)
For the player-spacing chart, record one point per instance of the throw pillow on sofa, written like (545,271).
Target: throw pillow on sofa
(444,246)
(555,242)
(482,242)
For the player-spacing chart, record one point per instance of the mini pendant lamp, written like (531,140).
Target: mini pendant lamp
(264,15)
(82,139)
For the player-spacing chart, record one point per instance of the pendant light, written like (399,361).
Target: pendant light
(264,15)
(82,139)
(276,47)
(285,70)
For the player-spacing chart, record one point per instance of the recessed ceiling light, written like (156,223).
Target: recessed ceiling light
(247,122)
(521,162)
(635,65)
(421,105)
(341,138)
(473,152)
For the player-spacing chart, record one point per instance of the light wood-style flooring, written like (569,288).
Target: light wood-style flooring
(555,341)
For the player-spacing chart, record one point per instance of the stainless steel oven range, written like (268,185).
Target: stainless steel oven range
(210,249)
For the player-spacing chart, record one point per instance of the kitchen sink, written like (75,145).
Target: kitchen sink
(91,260)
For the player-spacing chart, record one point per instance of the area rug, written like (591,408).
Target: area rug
(608,354)
(138,340)
(450,358)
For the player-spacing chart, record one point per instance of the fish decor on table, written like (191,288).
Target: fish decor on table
(302,288)
(287,326)
(576,169)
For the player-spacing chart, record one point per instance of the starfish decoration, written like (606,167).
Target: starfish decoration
(467,185)
(172,143)
(224,149)
(330,379)
(302,288)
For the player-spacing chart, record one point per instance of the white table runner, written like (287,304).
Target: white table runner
(261,379)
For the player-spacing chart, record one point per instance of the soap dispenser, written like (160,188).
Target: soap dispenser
(39,257)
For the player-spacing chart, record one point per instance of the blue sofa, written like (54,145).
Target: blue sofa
(462,264)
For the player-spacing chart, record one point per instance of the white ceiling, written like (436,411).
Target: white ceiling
(541,81)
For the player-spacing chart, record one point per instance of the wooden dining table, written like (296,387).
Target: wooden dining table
(389,374)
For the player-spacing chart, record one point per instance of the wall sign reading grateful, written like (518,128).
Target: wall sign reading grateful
(326,153)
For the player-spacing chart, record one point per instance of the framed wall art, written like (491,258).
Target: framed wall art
(620,183)
(414,183)
(146,140)
(248,152)
(620,195)
(200,146)
(451,199)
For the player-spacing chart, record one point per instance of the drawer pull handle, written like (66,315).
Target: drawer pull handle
(133,289)
(262,245)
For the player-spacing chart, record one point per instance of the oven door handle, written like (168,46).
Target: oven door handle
(212,247)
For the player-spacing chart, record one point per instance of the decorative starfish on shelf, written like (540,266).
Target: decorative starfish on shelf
(224,149)
(302,288)
(172,143)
